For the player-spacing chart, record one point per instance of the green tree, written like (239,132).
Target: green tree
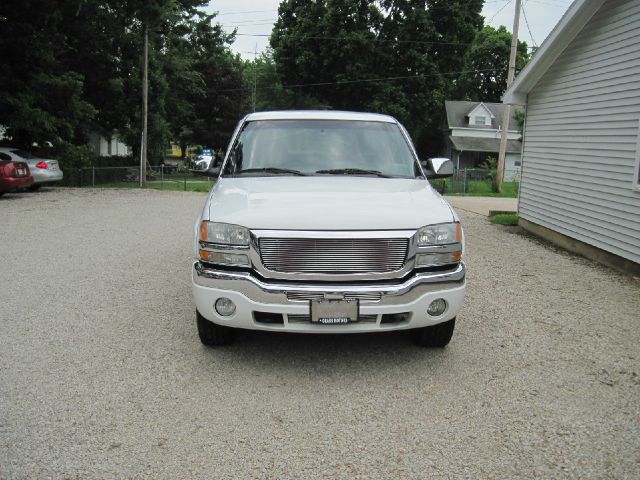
(40,100)
(71,67)
(270,93)
(399,57)
(325,42)
(486,64)
(456,23)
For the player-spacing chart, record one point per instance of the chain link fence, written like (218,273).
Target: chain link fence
(159,177)
(471,181)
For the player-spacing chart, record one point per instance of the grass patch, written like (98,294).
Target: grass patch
(475,188)
(510,219)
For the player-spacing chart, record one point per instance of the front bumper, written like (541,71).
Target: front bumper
(410,297)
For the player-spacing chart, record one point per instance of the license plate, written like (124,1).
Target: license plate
(20,172)
(334,312)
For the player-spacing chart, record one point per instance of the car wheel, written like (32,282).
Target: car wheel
(435,336)
(214,335)
(34,187)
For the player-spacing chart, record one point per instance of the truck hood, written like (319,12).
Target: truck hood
(327,203)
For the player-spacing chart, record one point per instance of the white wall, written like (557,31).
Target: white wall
(581,140)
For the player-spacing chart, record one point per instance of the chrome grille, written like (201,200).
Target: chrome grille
(333,255)
(305,297)
(307,318)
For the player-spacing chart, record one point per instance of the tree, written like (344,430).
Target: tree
(486,63)
(40,100)
(325,42)
(71,67)
(270,93)
(456,23)
(407,51)
(399,57)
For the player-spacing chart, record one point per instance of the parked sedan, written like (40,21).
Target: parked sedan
(13,175)
(43,170)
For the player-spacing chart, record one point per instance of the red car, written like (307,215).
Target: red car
(13,175)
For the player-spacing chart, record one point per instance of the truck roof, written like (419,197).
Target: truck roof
(319,115)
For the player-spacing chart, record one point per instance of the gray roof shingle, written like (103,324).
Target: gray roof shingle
(475,144)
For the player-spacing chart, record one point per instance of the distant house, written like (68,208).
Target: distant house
(581,155)
(474,134)
(106,143)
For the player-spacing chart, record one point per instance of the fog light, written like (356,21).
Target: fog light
(225,307)
(437,307)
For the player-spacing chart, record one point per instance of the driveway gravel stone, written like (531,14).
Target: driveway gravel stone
(102,374)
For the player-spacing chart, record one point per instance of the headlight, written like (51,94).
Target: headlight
(224,234)
(440,244)
(441,234)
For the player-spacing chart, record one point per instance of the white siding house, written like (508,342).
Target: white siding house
(581,150)
(474,134)
(107,145)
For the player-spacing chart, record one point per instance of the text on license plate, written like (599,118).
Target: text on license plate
(334,312)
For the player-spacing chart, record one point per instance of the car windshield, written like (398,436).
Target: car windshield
(321,147)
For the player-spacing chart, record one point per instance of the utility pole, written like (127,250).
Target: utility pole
(145,105)
(507,108)
(255,75)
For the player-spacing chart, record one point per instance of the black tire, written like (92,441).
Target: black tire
(435,336)
(34,187)
(214,335)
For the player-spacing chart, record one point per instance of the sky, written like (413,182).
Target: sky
(256,17)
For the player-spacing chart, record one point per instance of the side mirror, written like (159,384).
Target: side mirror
(438,167)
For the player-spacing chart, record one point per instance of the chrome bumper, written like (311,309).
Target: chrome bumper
(206,277)
(250,295)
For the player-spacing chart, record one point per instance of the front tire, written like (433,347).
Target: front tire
(435,336)
(213,335)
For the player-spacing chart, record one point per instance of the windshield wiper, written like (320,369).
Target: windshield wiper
(283,171)
(354,171)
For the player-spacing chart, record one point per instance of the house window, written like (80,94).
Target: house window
(517,163)
(480,120)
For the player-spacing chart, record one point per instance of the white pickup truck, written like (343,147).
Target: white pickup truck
(325,222)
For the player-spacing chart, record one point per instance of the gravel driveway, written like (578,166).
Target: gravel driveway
(102,374)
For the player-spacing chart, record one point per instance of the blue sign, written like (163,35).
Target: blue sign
(206,151)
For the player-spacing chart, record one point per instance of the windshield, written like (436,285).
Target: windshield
(321,147)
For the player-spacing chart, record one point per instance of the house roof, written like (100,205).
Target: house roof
(478,144)
(572,22)
(457,112)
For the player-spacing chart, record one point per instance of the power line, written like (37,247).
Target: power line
(314,37)
(364,80)
(499,10)
(247,11)
(560,5)
(349,39)
(526,21)
(239,25)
